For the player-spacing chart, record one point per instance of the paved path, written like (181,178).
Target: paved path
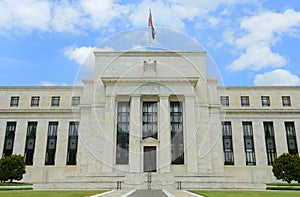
(147,193)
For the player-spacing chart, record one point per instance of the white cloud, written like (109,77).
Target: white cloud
(83,55)
(25,14)
(276,77)
(263,31)
(49,83)
(257,57)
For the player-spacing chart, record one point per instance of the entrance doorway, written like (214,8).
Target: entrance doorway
(150,159)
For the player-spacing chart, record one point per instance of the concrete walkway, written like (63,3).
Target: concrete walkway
(147,193)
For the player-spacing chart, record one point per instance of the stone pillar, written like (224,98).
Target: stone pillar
(238,143)
(190,135)
(109,138)
(164,133)
(135,150)
(62,143)
(280,137)
(40,143)
(20,137)
(259,143)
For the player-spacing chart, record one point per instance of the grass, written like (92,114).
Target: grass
(283,186)
(236,193)
(51,193)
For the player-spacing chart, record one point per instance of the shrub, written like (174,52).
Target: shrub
(287,167)
(12,168)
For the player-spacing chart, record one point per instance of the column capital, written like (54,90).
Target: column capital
(164,96)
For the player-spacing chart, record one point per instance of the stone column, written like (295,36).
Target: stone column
(190,135)
(62,143)
(20,137)
(164,133)
(109,138)
(135,150)
(40,143)
(280,137)
(238,143)
(259,143)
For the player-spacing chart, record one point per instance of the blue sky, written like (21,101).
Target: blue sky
(252,42)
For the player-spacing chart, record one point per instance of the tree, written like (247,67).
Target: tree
(12,168)
(287,167)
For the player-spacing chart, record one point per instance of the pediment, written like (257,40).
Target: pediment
(150,140)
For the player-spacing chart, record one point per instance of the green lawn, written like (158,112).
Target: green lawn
(236,193)
(52,193)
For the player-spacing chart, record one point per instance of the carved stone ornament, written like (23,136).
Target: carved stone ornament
(150,68)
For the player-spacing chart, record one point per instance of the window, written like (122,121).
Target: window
(150,119)
(55,101)
(265,101)
(35,101)
(291,138)
(14,101)
(286,101)
(30,143)
(177,145)
(75,100)
(72,143)
(9,138)
(245,101)
(227,143)
(51,143)
(225,100)
(270,142)
(122,145)
(248,143)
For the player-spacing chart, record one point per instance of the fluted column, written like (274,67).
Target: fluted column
(135,150)
(164,134)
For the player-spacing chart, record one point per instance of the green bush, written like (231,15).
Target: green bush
(12,168)
(287,167)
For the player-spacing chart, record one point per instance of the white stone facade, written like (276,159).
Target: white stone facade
(162,79)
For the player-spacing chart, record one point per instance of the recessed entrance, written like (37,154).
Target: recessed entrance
(150,159)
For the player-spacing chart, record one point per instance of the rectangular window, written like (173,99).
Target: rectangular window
(249,143)
(150,120)
(55,101)
(30,142)
(177,145)
(35,101)
(122,145)
(291,138)
(9,138)
(265,101)
(14,101)
(72,143)
(270,142)
(286,101)
(224,100)
(51,143)
(245,101)
(227,143)
(75,100)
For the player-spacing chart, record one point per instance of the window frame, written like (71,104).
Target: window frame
(75,101)
(224,101)
(245,101)
(265,101)
(14,101)
(55,101)
(286,101)
(35,101)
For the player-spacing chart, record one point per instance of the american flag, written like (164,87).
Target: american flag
(150,25)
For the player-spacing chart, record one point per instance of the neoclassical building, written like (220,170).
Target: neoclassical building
(149,116)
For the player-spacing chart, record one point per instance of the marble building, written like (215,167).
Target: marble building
(149,115)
